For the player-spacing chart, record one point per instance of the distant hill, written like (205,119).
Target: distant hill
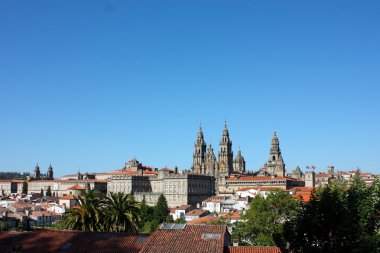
(14,175)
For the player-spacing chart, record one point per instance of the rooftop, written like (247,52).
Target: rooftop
(254,249)
(76,187)
(190,239)
(70,241)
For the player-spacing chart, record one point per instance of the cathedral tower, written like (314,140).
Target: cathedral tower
(239,163)
(37,172)
(49,174)
(199,154)
(275,165)
(211,163)
(225,156)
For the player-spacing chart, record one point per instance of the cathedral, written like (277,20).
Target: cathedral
(206,163)
(275,166)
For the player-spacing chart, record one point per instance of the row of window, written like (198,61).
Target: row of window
(258,182)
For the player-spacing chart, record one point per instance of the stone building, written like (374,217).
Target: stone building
(229,171)
(62,187)
(275,166)
(234,183)
(50,173)
(205,162)
(297,173)
(8,187)
(178,188)
(37,172)
(37,175)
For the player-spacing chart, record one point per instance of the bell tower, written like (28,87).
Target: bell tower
(275,162)
(199,155)
(49,174)
(239,163)
(211,163)
(37,172)
(225,156)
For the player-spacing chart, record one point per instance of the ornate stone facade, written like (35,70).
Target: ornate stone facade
(205,162)
(275,166)
(178,188)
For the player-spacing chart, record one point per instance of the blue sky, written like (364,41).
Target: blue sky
(88,85)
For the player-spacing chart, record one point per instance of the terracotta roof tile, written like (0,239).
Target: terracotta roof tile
(254,249)
(70,241)
(67,197)
(203,220)
(76,187)
(187,240)
(266,188)
(304,196)
(258,178)
(196,212)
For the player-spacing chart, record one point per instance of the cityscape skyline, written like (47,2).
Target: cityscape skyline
(92,85)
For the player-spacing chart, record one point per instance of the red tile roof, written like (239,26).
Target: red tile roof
(76,187)
(304,196)
(166,169)
(203,220)
(254,249)
(235,216)
(267,188)
(302,189)
(70,241)
(12,180)
(67,197)
(187,240)
(183,207)
(256,178)
(197,212)
(133,172)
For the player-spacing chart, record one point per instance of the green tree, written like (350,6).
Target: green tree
(24,187)
(320,225)
(87,215)
(161,209)
(42,192)
(123,213)
(264,220)
(48,191)
(338,220)
(180,221)
(148,222)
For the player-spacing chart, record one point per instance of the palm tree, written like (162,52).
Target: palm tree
(123,213)
(87,215)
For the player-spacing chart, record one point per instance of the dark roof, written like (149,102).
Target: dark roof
(254,249)
(190,239)
(70,241)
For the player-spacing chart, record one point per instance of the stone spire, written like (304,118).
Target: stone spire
(199,153)
(225,156)
(275,147)
(37,172)
(275,164)
(50,174)
(239,163)
(211,163)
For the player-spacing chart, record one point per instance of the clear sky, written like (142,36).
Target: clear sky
(88,85)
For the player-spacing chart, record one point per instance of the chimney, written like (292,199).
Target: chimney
(235,242)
